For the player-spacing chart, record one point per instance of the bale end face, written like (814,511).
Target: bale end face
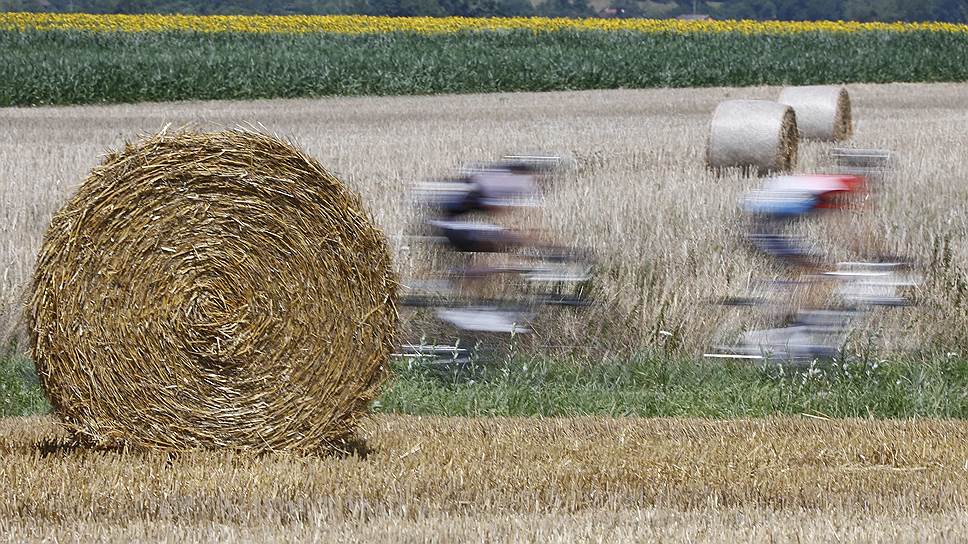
(823,111)
(753,135)
(212,290)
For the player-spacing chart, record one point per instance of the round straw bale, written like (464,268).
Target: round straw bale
(754,135)
(209,290)
(823,111)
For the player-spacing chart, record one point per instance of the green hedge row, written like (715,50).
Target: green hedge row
(57,67)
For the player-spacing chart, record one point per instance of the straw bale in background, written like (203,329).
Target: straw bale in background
(756,135)
(823,111)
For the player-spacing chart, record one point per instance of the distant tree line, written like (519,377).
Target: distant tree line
(792,10)
(852,10)
(466,8)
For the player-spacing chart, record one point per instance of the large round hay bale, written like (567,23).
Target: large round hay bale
(753,135)
(823,111)
(207,290)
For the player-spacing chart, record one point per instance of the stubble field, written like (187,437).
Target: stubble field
(667,233)
(509,479)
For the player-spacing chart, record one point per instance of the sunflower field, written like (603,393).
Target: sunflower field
(365,24)
(79,58)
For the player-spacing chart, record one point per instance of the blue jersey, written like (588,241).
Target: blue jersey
(782,205)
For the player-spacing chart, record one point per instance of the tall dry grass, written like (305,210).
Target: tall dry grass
(562,480)
(666,231)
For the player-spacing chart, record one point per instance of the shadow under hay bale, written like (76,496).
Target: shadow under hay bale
(823,111)
(758,136)
(208,290)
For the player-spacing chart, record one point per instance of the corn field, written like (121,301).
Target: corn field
(76,60)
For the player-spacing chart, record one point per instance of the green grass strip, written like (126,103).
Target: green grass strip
(661,387)
(20,392)
(647,386)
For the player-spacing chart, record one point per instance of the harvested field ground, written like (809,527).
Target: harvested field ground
(666,232)
(560,480)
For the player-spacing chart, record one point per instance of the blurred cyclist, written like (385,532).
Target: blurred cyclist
(474,215)
(786,199)
(490,191)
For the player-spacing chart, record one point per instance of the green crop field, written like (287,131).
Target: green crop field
(76,67)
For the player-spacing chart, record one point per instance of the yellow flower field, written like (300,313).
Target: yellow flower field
(360,24)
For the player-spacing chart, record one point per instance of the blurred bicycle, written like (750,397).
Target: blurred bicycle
(491,271)
(810,314)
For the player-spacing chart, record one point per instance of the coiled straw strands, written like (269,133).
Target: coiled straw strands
(755,135)
(823,111)
(208,290)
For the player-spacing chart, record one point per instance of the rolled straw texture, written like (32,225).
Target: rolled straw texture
(755,135)
(823,111)
(210,290)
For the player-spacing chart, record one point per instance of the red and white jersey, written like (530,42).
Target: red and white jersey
(822,186)
(798,195)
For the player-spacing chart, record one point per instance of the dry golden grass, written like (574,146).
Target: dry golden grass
(441,479)
(666,230)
